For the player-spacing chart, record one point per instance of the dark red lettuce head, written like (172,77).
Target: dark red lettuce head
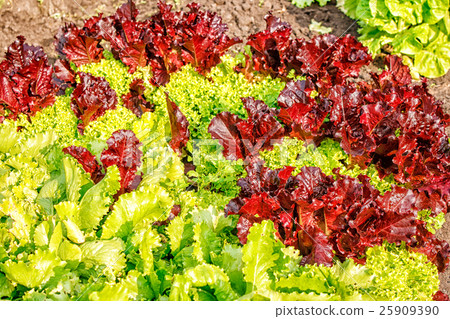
(26,84)
(243,139)
(326,59)
(167,41)
(205,39)
(269,47)
(64,75)
(135,100)
(123,151)
(72,43)
(91,98)
(178,38)
(303,114)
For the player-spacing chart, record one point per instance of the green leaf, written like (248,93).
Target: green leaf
(413,40)
(34,272)
(310,280)
(33,146)
(48,194)
(175,231)
(139,209)
(435,10)
(6,287)
(318,27)
(125,290)
(69,213)
(293,296)
(302,3)
(104,252)
(206,243)
(348,7)
(8,137)
(150,241)
(41,234)
(97,200)
(434,63)
(410,11)
(200,276)
(56,237)
(22,218)
(230,261)
(69,252)
(415,277)
(73,178)
(259,255)
(213,219)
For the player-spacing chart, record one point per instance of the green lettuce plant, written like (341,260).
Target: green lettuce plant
(307,3)
(417,29)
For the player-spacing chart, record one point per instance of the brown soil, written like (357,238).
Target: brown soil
(39,20)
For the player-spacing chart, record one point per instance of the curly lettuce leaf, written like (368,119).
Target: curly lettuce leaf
(34,272)
(137,210)
(201,276)
(97,200)
(415,277)
(108,253)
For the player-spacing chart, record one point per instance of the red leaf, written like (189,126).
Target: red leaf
(167,41)
(326,59)
(269,47)
(440,296)
(64,75)
(300,111)
(245,138)
(26,84)
(131,46)
(123,151)
(8,100)
(73,43)
(204,40)
(179,126)
(91,98)
(223,129)
(315,247)
(127,11)
(135,100)
(179,38)
(87,160)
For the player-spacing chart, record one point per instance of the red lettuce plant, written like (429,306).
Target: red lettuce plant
(123,151)
(135,100)
(26,84)
(91,98)
(196,37)
(388,122)
(74,44)
(243,139)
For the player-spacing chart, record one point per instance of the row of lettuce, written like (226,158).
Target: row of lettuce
(147,180)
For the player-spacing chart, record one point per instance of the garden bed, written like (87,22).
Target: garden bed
(41,22)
